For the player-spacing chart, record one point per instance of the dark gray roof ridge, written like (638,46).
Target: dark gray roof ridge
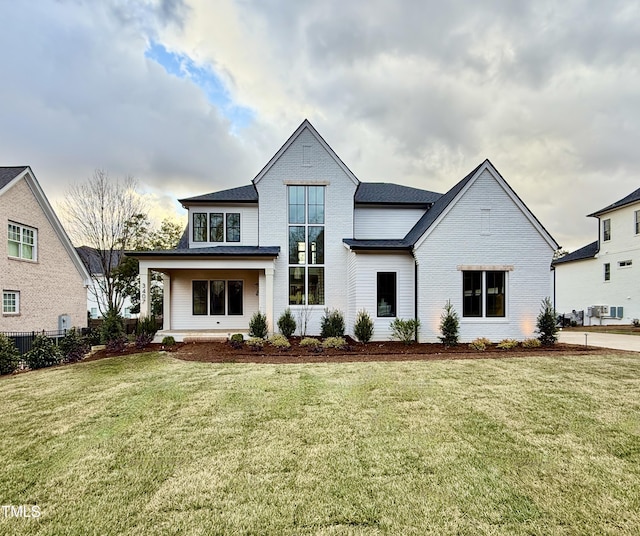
(586,252)
(8,173)
(241,194)
(392,193)
(631,198)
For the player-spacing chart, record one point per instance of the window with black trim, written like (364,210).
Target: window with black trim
(218,297)
(216,227)
(386,294)
(484,294)
(607,271)
(233,227)
(637,221)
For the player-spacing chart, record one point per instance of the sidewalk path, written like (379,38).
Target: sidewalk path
(604,340)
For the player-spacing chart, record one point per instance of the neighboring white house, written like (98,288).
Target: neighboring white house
(600,279)
(308,235)
(96,296)
(43,281)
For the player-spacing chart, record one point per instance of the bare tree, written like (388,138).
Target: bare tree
(98,214)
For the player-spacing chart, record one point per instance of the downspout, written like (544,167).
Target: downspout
(415,293)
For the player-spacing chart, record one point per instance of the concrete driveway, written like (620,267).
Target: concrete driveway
(604,340)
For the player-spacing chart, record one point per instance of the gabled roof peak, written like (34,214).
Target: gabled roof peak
(633,197)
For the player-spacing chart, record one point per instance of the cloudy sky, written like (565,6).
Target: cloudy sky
(192,96)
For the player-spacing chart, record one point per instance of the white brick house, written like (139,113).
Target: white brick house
(308,235)
(43,281)
(600,278)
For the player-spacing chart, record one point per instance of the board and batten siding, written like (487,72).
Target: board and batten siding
(384,223)
(182,316)
(307,162)
(365,269)
(248,224)
(468,235)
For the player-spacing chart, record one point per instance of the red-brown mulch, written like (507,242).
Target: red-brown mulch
(224,352)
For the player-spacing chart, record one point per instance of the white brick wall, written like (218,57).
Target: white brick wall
(49,287)
(381,223)
(511,239)
(273,220)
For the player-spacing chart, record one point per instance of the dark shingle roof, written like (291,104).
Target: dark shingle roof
(587,252)
(7,174)
(91,259)
(396,194)
(633,197)
(242,194)
(376,244)
(214,251)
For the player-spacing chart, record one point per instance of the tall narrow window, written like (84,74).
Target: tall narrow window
(235,291)
(306,245)
(386,293)
(637,221)
(606,230)
(21,241)
(10,302)
(216,227)
(200,227)
(199,292)
(233,227)
(217,297)
(472,294)
(607,271)
(495,293)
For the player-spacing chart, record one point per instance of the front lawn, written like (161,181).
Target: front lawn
(147,444)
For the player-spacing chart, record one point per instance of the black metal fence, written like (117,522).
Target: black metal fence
(24,339)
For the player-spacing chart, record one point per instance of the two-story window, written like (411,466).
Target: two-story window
(21,241)
(217,297)
(10,302)
(606,230)
(306,245)
(484,294)
(216,227)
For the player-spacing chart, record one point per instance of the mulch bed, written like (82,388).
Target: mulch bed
(224,352)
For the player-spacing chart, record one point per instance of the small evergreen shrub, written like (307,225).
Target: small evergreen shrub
(507,344)
(43,353)
(117,345)
(112,327)
(310,342)
(332,324)
(143,340)
(547,327)
(531,343)
(334,342)
(279,341)
(255,343)
(363,329)
(258,326)
(286,323)
(168,341)
(237,340)
(405,330)
(92,336)
(449,325)
(480,344)
(147,325)
(9,355)
(73,346)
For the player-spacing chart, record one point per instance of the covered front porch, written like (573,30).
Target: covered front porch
(209,293)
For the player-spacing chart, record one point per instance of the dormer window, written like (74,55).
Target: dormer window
(216,227)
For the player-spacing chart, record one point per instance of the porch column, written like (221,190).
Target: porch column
(145,296)
(268,273)
(166,302)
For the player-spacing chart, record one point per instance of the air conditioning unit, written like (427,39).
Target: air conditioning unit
(598,311)
(604,310)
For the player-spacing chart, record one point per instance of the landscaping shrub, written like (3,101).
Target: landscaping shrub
(258,326)
(255,343)
(237,340)
(43,353)
(143,340)
(9,355)
(363,329)
(92,336)
(73,346)
(405,330)
(480,344)
(449,325)
(117,345)
(279,341)
(286,323)
(531,343)
(312,343)
(334,342)
(547,324)
(168,341)
(332,324)
(636,322)
(112,327)
(507,344)
(147,326)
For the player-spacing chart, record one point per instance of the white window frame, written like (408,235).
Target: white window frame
(637,222)
(22,231)
(606,230)
(16,302)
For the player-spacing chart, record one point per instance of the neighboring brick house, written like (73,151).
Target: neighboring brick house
(599,280)
(308,235)
(43,281)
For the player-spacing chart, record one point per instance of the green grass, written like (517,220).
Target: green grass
(151,445)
